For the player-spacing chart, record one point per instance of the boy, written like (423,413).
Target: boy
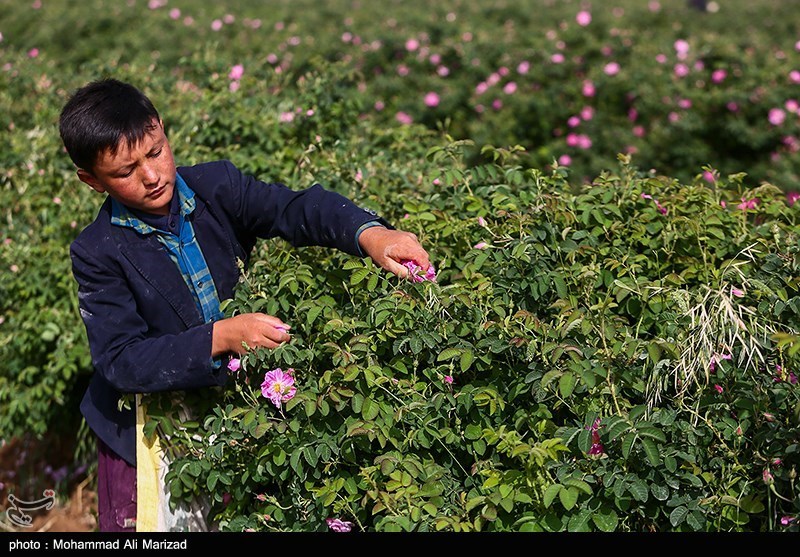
(162,253)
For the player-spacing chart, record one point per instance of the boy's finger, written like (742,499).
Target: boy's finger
(396,267)
(417,255)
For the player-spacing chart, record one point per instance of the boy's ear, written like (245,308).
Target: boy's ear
(89,178)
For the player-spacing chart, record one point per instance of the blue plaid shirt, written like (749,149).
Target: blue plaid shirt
(176,234)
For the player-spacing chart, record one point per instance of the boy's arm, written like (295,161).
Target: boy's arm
(313,216)
(316,216)
(122,352)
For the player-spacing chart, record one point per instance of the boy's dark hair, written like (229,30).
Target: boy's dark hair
(99,115)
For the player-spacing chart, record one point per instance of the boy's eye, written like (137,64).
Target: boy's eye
(126,174)
(155,153)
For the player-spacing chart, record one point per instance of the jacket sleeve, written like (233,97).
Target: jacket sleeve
(313,216)
(123,353)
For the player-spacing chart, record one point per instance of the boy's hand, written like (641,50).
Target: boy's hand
(388,248)
(254,329)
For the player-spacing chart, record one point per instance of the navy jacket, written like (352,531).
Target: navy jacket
(145,331)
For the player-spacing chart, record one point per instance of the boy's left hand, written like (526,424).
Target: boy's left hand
(388,248)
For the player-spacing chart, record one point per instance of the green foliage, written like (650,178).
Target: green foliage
(578,309)
(495,68)
(581,307)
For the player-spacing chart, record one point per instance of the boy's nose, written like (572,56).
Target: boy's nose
(149,175)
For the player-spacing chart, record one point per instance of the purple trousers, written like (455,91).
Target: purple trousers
(116,492)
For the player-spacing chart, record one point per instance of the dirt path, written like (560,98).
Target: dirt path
(42,470)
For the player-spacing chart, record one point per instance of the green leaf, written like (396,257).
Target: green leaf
(359,275)
(605,519)
(735,515)
(381,317)
(548,377)
(351,264)
(472,432)
(313,313)
(149,428)
(294,461)
(694,480)
(372,283)
(627,443)
(310,455)
(566,384)
(568,497)
(589,378)
(637,411)
(370,409)
(521,497)
(491,481)
(467,358)
(351,373)
(580,522)
(166,426)
(448,354)
(579,484)
(652,433)
(550,494)
(660,492)
(639,490)
(261,429)
(654,351)
(175,490)
(211,481)
(553,522)
(585,440)
(617,428)
(751,504)
(561,286)
(350,486)
(620,486)
(430,508)
(357,402)
(474,502)
(249,417)
(695,520)
(651,451)
(678,515)
(570,433)
(194,468)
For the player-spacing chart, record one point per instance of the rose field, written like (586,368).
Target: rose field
(610,340)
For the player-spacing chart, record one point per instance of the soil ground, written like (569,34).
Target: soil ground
(28,468)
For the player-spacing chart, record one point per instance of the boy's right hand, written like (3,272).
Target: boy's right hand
(253,329)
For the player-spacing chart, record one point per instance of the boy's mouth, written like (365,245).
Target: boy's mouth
(157,192)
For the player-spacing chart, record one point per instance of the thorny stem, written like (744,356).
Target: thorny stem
(608,373)
(710,426)
(411,411)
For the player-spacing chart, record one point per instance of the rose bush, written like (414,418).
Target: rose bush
(615,359)
(604,347)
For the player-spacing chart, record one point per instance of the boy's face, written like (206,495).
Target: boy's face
(141,176)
